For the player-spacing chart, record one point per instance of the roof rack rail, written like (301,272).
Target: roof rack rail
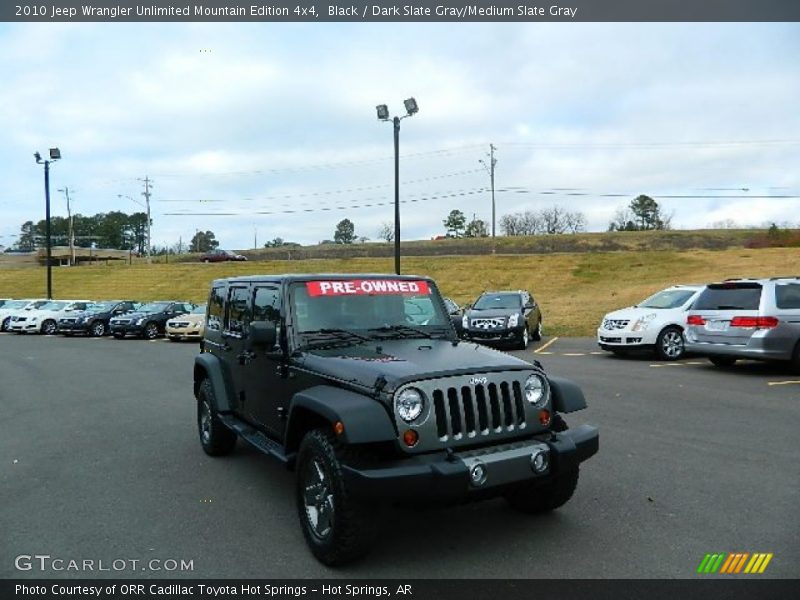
(785,277)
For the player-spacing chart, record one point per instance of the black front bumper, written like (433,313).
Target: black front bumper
(439,477)
(125,329)
(500,335)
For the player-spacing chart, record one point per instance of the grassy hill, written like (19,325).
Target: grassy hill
(574,289)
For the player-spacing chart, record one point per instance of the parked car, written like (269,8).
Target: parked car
(94,321)
(381,410)
(44,318)
(503,317)
(655,324)
(149,320)
(221,256)
(190,326)
(747,318)
(13,307)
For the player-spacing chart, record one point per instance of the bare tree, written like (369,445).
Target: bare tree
(386,232)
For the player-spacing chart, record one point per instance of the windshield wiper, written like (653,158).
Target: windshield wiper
(408,331)
(333,336)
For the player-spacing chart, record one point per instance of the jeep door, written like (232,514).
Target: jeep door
(268,386)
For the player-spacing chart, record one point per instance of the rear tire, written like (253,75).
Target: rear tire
(524,339)
(794,363)
(534,499)
(337,527)
(722,361)
(49,327)
(215,438)
(150,331)
(97,329)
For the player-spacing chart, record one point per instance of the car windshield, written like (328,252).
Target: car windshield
(100,306)
(53,306)
(501,301)
(198,310)
(361,309)
(153,307)
(668,299)
(15,304)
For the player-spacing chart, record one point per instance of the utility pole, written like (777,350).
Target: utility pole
(146,194)
(71,230)
(490,169)
(255,238)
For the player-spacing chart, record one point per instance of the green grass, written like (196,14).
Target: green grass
(574,289)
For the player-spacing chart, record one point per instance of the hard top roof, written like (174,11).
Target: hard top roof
(292,277)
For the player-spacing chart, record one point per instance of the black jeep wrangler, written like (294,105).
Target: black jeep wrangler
(360,384)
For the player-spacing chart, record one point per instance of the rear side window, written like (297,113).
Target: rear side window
(238,310)
(787,295)
(216,308)
(729,297)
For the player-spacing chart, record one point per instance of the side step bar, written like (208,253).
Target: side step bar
(256,438)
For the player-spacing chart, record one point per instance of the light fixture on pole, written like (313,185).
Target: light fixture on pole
(383,115)
(55,154)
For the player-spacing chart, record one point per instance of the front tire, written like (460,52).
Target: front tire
(535,499)
(215,438)
(97,329)
(6,323)
(669,344)
(49,327)
(336,527)
(524,339)
(537,335)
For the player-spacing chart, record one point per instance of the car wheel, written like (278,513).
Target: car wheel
(6,323)
(215,438)
(337,527)
(151,331)
(722,361)
(669,344)
(49,327)
(537,335)
(98,329)
(524,339)
(794,362)
(535,498)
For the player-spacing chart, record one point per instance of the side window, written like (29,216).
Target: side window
(216,309)
(238,317)
(787,296)
(267,304)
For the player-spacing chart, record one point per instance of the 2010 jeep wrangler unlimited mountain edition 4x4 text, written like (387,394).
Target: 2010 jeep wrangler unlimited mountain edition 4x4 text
(360,384)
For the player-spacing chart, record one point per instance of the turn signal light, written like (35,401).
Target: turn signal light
(338,428)
(757,322)
(695,320)
(544,417)
(410,437)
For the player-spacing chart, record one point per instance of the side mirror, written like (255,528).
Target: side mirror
(263,334)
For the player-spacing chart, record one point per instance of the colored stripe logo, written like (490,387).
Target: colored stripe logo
(734,562)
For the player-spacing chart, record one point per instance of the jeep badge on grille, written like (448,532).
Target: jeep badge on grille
(478,381)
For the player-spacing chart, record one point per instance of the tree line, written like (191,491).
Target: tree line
(114,229)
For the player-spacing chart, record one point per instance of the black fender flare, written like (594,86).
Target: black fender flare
(208,366)
(567,395)
(365,419)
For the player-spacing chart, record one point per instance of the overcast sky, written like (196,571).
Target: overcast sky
(248,121)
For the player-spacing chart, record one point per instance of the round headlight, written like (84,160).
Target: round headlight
(536,390)
(409,404)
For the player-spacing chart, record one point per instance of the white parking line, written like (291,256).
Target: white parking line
(783,383)
(573,354)
(541,348)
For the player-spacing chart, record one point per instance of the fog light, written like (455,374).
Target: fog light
(544,417)
(477,475)
(540,460)
(411,437)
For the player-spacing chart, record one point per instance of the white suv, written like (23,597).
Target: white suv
(655,324)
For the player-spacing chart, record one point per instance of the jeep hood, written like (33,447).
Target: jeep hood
(400,361)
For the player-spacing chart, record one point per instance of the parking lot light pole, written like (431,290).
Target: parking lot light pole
(383,115)
(55,154)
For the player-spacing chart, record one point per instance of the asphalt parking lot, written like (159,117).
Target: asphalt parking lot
(100,461)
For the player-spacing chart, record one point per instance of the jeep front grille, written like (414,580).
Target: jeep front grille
(469,411)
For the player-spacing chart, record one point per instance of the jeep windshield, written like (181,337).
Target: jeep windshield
(501,301)
(153,307)
(356,310)
(668,299)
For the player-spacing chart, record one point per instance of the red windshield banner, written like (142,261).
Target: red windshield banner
(356,287)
